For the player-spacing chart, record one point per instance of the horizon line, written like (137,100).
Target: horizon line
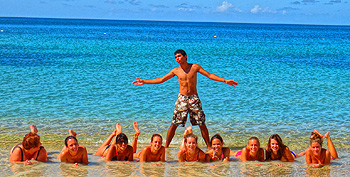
(107,19)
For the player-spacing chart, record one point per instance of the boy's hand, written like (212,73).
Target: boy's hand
(231,82)
(138,82)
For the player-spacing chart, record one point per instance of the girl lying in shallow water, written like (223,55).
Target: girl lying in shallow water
(318,156)
(29,149)
(119,149)
(252,152)
(276,150)
(188,150)
(217,151)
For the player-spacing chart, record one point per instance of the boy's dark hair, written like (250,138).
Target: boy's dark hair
(182,52)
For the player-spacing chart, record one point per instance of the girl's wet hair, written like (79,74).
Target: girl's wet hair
(191,136)
(121,138)
(216,136)
(30,140)
(68,138)
(315,137)
(281,149)
(154,135)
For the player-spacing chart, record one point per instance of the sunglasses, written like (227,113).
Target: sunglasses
(120,141)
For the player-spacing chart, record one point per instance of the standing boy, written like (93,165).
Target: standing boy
(188,101)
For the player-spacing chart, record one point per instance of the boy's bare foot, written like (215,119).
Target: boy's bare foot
(327,135)
(72,133)
(118,128)
(188,131)
(33,129)
(316,131)
(136,128)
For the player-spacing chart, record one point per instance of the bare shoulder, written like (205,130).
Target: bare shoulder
(146,149)
(82,149)
(196,66)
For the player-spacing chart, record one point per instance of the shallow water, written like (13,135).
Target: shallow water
(67,74)
(98,167)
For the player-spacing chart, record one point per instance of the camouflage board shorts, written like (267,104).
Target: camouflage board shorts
(188,105)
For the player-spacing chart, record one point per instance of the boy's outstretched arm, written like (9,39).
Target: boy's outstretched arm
(154,81)
(215,77)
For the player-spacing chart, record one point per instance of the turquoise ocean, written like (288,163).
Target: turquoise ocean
(62,74)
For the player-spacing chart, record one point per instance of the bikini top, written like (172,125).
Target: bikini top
(116,156)
(18,146)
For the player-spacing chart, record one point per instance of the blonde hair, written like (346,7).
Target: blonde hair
(315,137)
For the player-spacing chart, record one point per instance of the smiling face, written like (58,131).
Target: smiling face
(122,144)
(274,145)
(191,143)
(253,145)
(156,144)
(216,144)
(72,146)
(316,148)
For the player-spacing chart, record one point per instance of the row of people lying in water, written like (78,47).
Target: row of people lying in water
(119,150)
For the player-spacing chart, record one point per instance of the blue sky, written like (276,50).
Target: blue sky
(332,12)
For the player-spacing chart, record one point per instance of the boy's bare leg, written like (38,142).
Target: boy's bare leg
(205,134)
(136,136)
(170,135)
(331,147)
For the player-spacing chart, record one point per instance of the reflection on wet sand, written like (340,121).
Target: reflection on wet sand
(67,169)
(152,168)
(35,169)
(120,168)
(315,172)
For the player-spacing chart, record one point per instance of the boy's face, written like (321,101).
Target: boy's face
(180,58)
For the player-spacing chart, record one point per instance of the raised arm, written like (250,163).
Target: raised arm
(215,77)
(154,81)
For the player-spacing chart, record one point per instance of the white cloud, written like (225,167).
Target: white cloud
(224,7)
(258,9)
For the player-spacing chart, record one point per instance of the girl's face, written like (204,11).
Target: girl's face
(274,145)
(216,144)
(253,145)
(191,143)
(122,144)
(72,145)
(316,148)
(156,144)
